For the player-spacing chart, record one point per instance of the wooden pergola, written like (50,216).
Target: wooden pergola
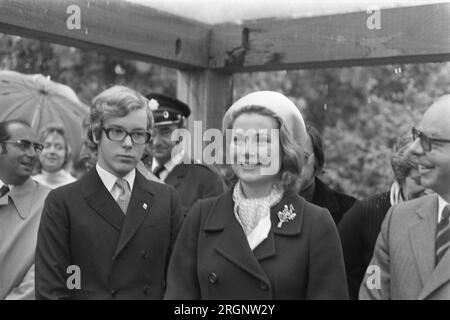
(206,56)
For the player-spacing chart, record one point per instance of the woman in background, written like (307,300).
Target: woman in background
(260,240)
(54,158)
(360,226)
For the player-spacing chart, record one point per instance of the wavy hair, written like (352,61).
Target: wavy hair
(402,161)
(55,129)
(115,102)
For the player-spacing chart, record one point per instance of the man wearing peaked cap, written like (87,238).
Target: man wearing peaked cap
(193,181)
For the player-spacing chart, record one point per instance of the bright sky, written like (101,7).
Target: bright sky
(219,11)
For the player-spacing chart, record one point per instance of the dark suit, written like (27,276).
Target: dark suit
(359,230)
(120,256)
(213,260)
(337,203)
(194,182)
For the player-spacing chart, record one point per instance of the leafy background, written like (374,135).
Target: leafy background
(359,111)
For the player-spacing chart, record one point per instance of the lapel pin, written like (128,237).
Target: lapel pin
(144,205)
(287,214)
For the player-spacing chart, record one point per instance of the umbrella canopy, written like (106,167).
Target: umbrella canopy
(41,102)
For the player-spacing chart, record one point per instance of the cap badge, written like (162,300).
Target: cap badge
(153,104)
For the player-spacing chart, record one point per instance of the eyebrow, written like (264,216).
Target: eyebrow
(116,126)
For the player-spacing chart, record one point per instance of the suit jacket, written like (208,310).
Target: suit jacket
(358,230)
(194,182)
(119,256)
(213,260)
(337,203)
(405,255)
(20,212)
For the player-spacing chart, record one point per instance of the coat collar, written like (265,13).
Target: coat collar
(23,197)
(232,243)
(101,201)
(223,213)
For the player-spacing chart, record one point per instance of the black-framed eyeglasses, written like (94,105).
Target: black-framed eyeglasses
(118,134)
(425,141)
(25,145)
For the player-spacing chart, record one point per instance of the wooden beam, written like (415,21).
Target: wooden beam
(406,34)
(116,27)
(208,93)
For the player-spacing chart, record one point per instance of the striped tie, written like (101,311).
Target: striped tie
(4,190)
(125,194)
(443,234)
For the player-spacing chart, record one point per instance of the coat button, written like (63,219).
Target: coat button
(263,286)
(144,254)
(146,290)
(212,277)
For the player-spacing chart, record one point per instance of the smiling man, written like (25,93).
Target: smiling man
(412,257)
(21,202)
(110,234)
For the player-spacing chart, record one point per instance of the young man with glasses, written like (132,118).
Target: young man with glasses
(21,203)
(113,228)
(412,256)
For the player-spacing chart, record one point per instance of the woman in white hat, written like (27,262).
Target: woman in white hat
(260,240)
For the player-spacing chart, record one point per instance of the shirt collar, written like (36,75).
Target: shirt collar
(441,205)
(22,196)
(172,163)
(109,180)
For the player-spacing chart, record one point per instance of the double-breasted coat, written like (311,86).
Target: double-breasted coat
(300,260)
(118,256)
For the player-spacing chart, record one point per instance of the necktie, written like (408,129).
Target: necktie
(158,170)
(443,234)
(4,190)
(125,194)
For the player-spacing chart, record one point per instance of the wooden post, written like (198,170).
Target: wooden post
(208,93)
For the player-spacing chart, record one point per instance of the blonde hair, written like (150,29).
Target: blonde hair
(117,101)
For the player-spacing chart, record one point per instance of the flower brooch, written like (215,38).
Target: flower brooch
(287,214)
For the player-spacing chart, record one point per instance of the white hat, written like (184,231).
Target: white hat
(277,103)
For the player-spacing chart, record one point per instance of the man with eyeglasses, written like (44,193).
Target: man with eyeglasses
(21,203)
(110,234)
(191,179)
(412,256)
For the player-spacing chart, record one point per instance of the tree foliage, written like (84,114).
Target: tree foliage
(359,111)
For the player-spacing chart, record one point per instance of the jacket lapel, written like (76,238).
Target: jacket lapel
(232,243)
(100,200)
(138,208)
(440,275)
(267,248)
(421,236)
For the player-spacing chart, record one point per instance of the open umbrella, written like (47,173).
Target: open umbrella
(41,102)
